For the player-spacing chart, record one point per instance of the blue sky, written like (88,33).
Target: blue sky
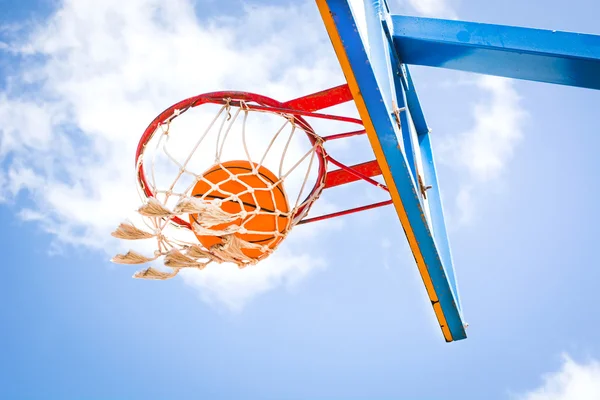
(79,81)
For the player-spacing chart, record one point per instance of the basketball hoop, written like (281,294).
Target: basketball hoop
(230,198)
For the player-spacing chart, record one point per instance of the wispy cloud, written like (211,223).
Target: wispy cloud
(484,149)
(226,285)
(425,8)
(574,380)
(96,73)
(433,8)
(481,153)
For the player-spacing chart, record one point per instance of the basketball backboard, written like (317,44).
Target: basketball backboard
(361,34)
(373,48)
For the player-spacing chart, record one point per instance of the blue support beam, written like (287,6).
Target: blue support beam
(564,58)
(434,195)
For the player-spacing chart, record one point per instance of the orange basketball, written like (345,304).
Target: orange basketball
(252,192)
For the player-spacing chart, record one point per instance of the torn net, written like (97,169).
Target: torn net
(162,215)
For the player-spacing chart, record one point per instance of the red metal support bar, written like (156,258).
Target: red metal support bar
(341,176)
(345,212)
(295,112)
(357,174)
(343,135)
(320,100)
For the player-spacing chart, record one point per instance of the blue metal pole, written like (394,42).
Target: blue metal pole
(564,58)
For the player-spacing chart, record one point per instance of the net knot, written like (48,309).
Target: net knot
(207,213)
(176,259)
(154,208)
(132,257)
(128,231)
(155,274)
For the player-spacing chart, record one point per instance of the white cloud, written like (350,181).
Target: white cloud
(482,152)
(485,148)
(97,72)
(227,285)
(433,8)
(574,380)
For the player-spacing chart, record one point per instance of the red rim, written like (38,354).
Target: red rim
(265,103)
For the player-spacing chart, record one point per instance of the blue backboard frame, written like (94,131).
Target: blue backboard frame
(540,55)
(374,49)
(361,33)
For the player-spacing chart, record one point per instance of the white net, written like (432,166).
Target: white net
(224,184)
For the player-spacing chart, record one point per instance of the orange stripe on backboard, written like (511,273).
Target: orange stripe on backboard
(385,169)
